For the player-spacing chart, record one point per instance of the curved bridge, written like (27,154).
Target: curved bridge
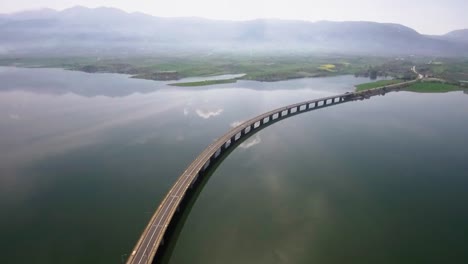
(154,234)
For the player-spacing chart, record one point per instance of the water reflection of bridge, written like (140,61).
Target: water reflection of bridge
(165,217)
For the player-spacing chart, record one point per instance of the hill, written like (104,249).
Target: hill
(458,35)
(81,30)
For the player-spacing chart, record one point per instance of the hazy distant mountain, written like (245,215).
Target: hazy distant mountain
(81,30)
(458,35)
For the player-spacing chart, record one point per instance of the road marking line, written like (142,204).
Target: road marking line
(147,244)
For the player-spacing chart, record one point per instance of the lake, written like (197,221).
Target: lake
(86,159)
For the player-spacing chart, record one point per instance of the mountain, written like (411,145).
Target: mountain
(81,30)
(457,35)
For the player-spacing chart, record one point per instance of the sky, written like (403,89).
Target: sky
(425,16)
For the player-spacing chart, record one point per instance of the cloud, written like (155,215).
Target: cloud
(208,114)
(251,142)
(186,112)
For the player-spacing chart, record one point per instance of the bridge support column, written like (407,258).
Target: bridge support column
(216,154)
(194,181)
(208,163)
(212,158)
(289,111)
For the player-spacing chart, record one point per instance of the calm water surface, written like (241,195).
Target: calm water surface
(85,161)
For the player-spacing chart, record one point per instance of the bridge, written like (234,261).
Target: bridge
(155,233)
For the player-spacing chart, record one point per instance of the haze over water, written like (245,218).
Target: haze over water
(85,162)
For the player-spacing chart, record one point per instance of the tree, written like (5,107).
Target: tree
(373,74)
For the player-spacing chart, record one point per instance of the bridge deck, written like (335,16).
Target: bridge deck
(153,235)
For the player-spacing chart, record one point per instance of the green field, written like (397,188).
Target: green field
(203,83)
(327,67)
(266,67)
(432,87)
(372,85)
(261,67)
(452,70)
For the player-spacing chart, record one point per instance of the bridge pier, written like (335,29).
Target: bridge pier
(218,153)
(194,180)
(206,165)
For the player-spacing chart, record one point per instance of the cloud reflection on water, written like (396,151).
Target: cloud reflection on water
(251,142)
(208,114)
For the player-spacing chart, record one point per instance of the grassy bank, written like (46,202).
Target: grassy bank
(372,85)
(203,83)
(430,87)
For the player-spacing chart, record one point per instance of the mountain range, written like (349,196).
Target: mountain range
(81,30)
